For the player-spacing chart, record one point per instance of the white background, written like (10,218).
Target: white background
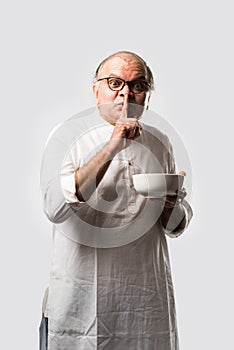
(49,52)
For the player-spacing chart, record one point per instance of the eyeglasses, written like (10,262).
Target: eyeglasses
(135,86)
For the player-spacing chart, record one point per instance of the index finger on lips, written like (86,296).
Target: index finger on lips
(124,113)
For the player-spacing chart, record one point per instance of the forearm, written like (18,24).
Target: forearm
(89,176)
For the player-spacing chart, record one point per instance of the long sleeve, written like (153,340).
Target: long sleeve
(57,178)
(173,230)
(55,207)
(179,229)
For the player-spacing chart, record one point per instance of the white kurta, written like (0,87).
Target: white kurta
(119,297)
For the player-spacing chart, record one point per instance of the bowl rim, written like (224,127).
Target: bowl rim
(157,174)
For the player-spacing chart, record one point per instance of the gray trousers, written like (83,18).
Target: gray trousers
(43,333)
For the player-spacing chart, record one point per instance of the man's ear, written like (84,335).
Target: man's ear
(147,105)
(95,93)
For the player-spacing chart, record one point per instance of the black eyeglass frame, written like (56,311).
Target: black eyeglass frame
(129,83)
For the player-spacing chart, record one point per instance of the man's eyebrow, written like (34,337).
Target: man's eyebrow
(142,77)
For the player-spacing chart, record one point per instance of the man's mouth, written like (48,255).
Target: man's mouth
(119,105)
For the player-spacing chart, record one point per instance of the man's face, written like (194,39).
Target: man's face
(111,102)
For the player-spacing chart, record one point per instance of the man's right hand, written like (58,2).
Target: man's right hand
(128,128)
(125,128)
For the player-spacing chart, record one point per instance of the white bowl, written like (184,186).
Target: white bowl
(154,185)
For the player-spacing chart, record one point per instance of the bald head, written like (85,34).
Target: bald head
(131,59)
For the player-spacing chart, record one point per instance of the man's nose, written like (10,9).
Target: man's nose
(126,91)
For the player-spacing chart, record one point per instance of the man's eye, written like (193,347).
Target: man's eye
(139,85)
(115,83)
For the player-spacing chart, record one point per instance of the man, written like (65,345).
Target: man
(110,285)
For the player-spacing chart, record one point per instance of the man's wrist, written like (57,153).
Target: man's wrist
(174,217)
